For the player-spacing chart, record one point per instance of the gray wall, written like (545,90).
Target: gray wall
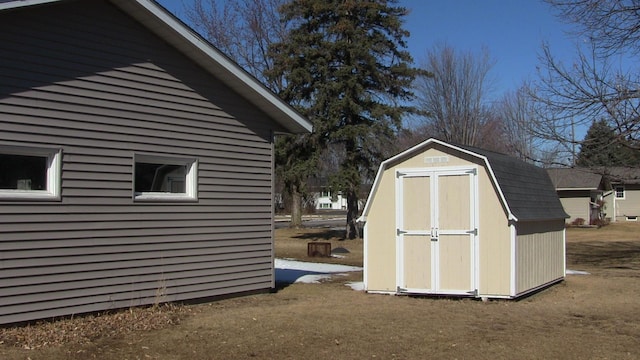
(84,77)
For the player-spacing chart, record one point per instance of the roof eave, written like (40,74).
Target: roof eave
(576,188)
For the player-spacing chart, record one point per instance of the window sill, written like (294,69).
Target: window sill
(19,195)
(161,197)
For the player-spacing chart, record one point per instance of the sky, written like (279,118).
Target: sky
(512,30)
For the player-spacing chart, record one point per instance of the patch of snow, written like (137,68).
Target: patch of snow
(357,286)
(312,279)
(293,271)
(577,272)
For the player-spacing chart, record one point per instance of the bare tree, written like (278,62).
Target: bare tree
(243,30)
(454,99)
(518,121)
(592,88)
(567,98)
(613,24)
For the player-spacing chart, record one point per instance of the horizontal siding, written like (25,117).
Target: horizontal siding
(576,207)
(83,77)
(630,205)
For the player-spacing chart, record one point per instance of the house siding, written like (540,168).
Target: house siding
(630,205)
(576,204)
(83,77)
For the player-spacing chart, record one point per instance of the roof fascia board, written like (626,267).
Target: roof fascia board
(23,3)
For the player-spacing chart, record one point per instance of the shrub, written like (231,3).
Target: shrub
(578,222)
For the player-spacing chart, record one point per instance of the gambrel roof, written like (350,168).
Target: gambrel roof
(161,22)
(525,190)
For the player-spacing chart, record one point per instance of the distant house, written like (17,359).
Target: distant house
(611,193)
(326,198)
(136,161)
(444,219)
(330,200)
(625,183)
(581,193)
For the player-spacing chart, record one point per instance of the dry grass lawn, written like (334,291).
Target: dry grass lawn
(593,316)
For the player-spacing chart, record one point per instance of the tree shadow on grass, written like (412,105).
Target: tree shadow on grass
(324,235)
(612,255)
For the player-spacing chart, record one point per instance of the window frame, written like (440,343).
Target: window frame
(53,173)
(621,191)
(190,183)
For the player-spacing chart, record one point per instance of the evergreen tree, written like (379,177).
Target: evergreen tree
(345,63)
(602,147)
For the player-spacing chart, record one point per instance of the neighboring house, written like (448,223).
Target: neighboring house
(611,193)
(329,200)
(582,194)
(625,183)
(445,219)
(136,161)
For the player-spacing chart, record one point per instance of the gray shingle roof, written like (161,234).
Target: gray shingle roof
(623,175)
(527,189)
(575,178)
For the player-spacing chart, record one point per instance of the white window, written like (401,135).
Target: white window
(29,173)
(325,206)
(164,178)
(619,192)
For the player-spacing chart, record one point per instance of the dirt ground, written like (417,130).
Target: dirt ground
(594,316)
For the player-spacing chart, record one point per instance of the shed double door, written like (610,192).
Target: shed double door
(436,231)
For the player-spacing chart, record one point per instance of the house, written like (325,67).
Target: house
(326,199)
(136,161)
(609,193)
(582,193)
(445,219)
(625,196)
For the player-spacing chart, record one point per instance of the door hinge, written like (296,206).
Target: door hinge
(399,289)
(474,232)
(473,171)
(399,174)
(473,292)
(400,232)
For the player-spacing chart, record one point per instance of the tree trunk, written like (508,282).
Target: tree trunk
(353,231)
(296,207)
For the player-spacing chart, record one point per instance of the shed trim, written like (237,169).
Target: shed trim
(513,278)
(419,147)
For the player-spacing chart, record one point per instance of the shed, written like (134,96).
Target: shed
(445,219)
(136,161)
